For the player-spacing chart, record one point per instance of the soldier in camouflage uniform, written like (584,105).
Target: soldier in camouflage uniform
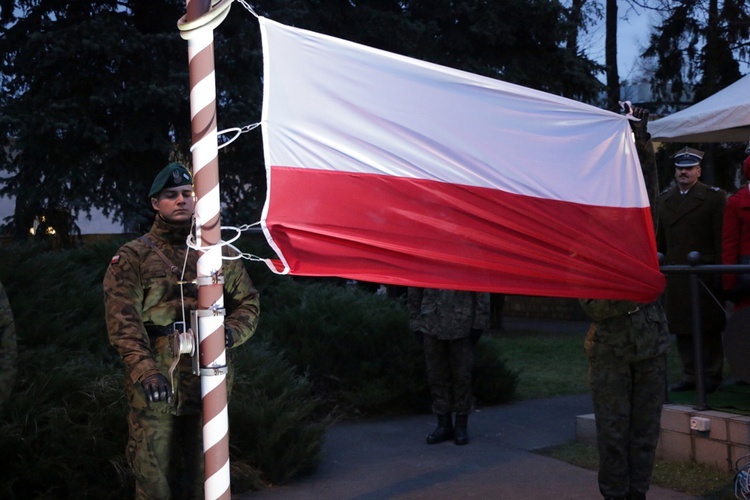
(8,350)
(627,349)
(449,322)
(148,287)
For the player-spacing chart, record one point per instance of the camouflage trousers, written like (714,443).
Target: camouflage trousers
(165,453)
(449,366)
(628,399)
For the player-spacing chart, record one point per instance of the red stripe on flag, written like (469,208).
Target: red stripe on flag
(416,232)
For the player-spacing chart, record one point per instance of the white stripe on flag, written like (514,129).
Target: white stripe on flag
(335,105)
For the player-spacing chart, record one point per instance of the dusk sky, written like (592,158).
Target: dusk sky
(633,30)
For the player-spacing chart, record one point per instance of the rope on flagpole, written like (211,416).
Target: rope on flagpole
(193,31)
(237,132)
(193,243)
(247,6)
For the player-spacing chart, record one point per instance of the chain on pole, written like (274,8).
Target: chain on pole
(197,28)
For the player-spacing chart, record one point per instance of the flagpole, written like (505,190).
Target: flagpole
(197,28)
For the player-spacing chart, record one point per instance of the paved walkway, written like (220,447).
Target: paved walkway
(388,458)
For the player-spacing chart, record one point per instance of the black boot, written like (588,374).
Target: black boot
(634,495)
(461,436)
(443,431)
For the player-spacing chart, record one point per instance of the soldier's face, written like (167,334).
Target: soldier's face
(175,204)
(687,177)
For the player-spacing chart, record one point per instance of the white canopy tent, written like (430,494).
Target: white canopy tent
(722,117)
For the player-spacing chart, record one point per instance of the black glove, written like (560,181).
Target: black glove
(640,128)
(474,334)
(228,339)
(419,337)
(157,388)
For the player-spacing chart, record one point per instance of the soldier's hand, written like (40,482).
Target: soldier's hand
(157,388)
(640,128)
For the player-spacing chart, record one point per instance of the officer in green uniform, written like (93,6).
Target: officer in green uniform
(8,348)
(627,348)
(448,323)
(691,219)
(149,291)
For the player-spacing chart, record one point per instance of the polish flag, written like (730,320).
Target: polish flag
(388,169)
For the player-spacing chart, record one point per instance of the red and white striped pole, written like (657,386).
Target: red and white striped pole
(197,28)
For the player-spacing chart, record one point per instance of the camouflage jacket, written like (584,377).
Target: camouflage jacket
(8,347)
(140,289)
(625,331)
(447,314)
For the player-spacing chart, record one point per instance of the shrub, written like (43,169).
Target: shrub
(354,346)
(63,432)
(357,350)
(274,420)
(492,381)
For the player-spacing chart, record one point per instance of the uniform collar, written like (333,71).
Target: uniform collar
(173,233)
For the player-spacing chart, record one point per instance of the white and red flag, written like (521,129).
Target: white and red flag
(393,170)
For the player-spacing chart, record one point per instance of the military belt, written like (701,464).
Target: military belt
(163,331)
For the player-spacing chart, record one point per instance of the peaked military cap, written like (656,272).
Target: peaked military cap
(687,157)
(173,175)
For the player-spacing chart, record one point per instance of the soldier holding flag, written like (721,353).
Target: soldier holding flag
(149,290)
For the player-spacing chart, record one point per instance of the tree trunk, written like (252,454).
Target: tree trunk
(710,82)
(610,57)
(574,17)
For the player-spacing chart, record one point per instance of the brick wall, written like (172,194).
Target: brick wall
(725,443)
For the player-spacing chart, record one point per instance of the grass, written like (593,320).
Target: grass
(553,364)
(699,480)
(548,365)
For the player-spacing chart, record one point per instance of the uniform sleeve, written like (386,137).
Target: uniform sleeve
(414,302)
(647,160)
(730,246)
(482,311)
(241,300)
(8,347)
(123,306)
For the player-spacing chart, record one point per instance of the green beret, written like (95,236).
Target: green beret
(173,175)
